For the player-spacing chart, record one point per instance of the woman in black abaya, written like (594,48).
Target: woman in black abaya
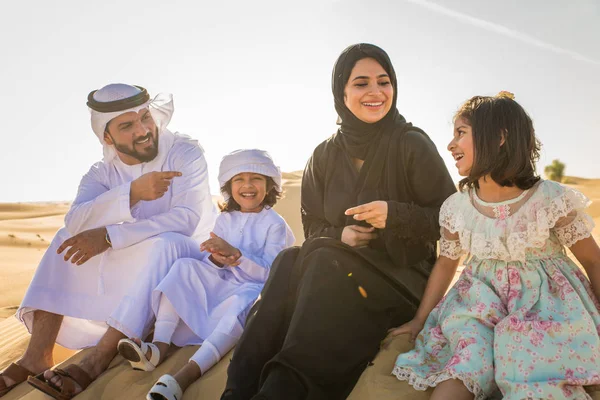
(371,195)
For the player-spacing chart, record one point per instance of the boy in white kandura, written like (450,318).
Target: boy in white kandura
(206,301)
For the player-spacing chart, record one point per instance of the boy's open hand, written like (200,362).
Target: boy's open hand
(221,251)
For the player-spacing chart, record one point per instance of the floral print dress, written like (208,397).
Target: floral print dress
(522,317)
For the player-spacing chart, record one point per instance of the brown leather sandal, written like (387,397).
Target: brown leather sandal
(70,376)
(15,372)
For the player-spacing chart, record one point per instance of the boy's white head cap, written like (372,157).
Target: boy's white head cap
(251,160)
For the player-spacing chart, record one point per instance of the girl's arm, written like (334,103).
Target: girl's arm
(439,281)
(442,274)
(587,253)
(574,231)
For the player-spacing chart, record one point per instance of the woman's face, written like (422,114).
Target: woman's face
(368,93)
(461,146)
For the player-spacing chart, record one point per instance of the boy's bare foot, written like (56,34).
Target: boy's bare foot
(187,375)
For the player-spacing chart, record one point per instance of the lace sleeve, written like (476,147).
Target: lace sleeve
(449,238)
(450,245)
(571,222)
(573,227)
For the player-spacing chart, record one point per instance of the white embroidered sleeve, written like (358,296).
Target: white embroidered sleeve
(450,245)
(572,222)
(574,227)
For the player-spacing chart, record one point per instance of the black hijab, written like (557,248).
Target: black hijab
(355,136)
(362,140)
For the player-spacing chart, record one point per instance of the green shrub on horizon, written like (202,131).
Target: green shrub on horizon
(555,171)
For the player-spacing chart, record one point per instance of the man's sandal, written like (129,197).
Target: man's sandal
(136,355)
(71,376)
(166,388)
(16,373)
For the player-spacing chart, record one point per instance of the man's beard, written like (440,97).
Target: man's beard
(149,153)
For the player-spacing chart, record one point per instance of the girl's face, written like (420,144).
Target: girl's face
(461,146)
(249,190)
(368,93)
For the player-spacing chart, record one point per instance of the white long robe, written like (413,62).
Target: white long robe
(146,240)
(208,298)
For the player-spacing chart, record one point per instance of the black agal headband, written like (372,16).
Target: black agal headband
(118,105)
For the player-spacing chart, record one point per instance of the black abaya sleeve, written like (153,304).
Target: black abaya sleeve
(312,199)
(429,185)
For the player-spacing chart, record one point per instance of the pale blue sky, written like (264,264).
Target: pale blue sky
(257,74)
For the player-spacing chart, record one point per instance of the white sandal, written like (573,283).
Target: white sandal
(136,355)
(167,387)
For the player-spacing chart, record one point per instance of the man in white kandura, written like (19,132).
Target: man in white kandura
(144,206)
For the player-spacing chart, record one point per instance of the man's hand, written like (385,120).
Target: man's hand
(84,245)
(357,236)
(221,251)
(151,186)
(375,213)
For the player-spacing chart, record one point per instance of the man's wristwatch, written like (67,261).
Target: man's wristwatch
(107,238)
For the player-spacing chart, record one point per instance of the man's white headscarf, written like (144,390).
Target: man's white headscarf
(252,160)
(117,98)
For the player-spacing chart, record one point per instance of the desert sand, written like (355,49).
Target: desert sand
(25,232)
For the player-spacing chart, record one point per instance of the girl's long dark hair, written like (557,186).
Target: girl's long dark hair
(504,142)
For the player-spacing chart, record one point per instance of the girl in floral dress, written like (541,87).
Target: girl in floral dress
(522,317)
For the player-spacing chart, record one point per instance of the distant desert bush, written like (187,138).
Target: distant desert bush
(555,171)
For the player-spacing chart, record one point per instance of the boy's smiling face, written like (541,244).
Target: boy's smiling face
(249,190)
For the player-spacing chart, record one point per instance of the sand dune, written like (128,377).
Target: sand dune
(27,229)
(289,205)
(25,232)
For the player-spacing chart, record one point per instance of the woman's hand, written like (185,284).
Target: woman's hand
(412,327)
(357,236)
(221,251)
(374,213)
